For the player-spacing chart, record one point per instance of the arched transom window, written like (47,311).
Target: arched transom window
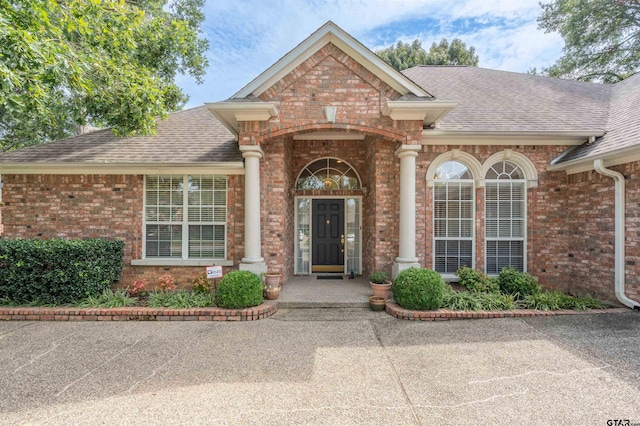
(505,217)
(328,174)
(453,217)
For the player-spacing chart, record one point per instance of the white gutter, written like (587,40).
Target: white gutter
(619,268)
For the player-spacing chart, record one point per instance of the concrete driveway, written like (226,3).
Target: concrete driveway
(337,366)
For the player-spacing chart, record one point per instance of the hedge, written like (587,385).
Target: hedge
(57,271)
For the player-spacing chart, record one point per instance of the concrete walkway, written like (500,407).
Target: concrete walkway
(311,292)
(308,366)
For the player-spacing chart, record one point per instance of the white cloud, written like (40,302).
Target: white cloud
(248,36)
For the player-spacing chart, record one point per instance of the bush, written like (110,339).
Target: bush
(420,289)
(474,280)
(58,271)
(167,282)
(239,289)
(138,287)
(201,284)
(520,284)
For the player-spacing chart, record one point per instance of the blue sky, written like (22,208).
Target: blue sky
(248,36)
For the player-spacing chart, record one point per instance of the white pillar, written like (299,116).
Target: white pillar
(407,226)
(252,260)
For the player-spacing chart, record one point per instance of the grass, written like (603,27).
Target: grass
(180,300)
(474,301)
(495,301)
(108,299)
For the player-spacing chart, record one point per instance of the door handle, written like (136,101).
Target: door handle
(342,243)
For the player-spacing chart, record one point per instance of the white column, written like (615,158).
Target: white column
(252,260)
(407,226)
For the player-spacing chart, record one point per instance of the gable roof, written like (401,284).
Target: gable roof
(191,137)
(330,33)
(415,102)
(501,101)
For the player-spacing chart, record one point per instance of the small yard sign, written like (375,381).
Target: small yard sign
(214,271)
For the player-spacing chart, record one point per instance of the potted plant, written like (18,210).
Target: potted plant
(272,285)
(272,279)
(380,284)
(377,303)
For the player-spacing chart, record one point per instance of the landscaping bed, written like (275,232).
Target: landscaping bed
(421,294)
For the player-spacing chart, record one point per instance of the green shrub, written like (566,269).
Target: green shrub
(57,271)
(474,301)
(239,289)
(474,280)
(379,277)
(421,289)
(181,299)
(520,284)
(553,300)
(108,299)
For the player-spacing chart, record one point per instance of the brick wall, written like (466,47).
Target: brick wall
(329,78)
(545,217)
(101,206)
(570,223)
(590,254)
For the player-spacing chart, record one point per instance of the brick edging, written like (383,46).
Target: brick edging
(395,310)
(137,314)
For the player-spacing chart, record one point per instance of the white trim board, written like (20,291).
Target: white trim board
(234,168)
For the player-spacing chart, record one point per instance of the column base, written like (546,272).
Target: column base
(257,268)
(399,267)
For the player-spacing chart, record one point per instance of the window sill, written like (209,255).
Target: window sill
(181,262)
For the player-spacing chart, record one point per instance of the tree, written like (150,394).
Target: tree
(405,55)
(602,38)
(108,63)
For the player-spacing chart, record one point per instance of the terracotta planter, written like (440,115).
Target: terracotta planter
(271,293)
(377,303)
(272,280)
(382,290)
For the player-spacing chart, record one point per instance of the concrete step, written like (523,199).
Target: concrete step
(329,314)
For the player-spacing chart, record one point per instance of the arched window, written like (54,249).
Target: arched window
(453,217)
(505,217)
(327,174)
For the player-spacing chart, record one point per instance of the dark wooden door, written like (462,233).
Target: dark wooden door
(328,236)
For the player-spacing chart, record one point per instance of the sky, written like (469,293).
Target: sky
(248,36)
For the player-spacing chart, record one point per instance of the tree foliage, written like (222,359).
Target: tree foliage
(407,55)
(602,38)
(69,63)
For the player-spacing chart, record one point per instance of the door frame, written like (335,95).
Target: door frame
(297,240)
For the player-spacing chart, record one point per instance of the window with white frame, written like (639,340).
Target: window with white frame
(505,217)
(185,216)
(453,217)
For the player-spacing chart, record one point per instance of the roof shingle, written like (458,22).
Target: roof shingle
(623,125)
(490,100)
(189,136)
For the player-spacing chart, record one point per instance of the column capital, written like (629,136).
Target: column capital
(408,150)
(251,151)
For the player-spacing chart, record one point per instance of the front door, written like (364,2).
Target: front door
(328,236)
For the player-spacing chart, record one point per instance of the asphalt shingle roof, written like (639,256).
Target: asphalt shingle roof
(623,124)
(490,100)
(189,136)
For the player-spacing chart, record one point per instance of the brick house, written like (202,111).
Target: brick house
(332,161)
